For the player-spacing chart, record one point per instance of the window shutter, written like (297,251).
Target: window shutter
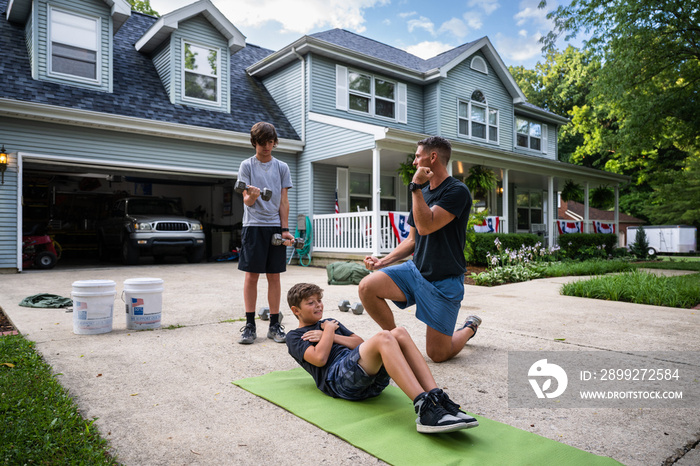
(402,103)
(341,87)
(545,133)
(342,182)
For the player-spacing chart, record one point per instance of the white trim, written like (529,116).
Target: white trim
(90,119)
(166,24)
(402,103)
(379,132)
(341,88)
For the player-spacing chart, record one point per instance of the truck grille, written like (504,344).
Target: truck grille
(172,226)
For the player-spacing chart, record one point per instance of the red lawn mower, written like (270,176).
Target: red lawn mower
(39,251)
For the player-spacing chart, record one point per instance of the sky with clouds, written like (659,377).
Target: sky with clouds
(423,28)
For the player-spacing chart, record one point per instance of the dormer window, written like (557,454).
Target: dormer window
(74,45)
(477,120)
(201,73)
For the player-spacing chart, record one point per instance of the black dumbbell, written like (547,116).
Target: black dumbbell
(277,240)
(265,193)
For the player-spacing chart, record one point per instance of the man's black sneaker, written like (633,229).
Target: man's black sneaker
(433,418)
(453,408)
(276,333)
(249,335)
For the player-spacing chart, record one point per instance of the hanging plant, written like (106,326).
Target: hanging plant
(572,192)
(602,197)
(406,170)
(480,181)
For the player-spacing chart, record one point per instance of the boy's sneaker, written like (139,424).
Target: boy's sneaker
(453,408)
(276,333)
(249,335)
(433,418)
(473,323)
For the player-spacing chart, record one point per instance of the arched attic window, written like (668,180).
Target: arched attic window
(479,64)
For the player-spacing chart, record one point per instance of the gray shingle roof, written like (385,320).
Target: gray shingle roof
(138,91)
(375,49)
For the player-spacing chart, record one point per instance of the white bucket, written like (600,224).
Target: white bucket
(93,306)
(144,302)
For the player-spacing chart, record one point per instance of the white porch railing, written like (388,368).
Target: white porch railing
(352,233)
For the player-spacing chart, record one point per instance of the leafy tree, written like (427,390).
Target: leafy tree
(679,200)
(143,6)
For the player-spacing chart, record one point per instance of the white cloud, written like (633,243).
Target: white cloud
(296,16)
(520,50)
(407,14)
(428,49)
(454,26)
(530,14)
(489,6)
(473,20)
(421,23)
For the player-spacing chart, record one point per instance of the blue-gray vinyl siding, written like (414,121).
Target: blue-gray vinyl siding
(163,62)
(200,31)
(324,188)
(8,217)
(431,94)
(459,85)
(285,88)
(323,97)
(90,8)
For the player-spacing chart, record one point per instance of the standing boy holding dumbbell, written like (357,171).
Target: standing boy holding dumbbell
(261,220)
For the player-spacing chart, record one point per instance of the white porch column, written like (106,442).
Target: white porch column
(617,214)
(550,212)
(376,199)
(505,200)
(586,191)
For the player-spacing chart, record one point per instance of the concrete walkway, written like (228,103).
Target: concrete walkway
(165,397)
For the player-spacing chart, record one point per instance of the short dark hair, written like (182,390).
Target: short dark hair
(438,144)
(263,132)
(301,291)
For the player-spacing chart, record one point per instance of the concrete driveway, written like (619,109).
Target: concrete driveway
(165,396)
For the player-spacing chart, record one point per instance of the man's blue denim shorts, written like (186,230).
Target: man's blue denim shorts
(437,303)
(350,381)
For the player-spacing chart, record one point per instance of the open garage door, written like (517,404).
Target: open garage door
(68,200)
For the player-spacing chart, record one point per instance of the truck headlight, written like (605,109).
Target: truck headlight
(142,226)
(196,226)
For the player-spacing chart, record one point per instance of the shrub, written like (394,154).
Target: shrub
(584,246)
(640,247)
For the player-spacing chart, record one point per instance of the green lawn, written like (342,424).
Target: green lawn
(40,422)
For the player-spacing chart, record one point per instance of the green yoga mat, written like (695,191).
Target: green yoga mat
(385,427)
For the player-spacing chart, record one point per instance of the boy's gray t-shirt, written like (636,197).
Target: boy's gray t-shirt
(273,175)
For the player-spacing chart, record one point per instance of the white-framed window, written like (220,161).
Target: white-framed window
(74,48)
(530,134)
(477,120)
(200,73)
(364,93)
(479,64)
(360,191)
(372,95)
(529,205)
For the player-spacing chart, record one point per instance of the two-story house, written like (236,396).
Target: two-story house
(98,102)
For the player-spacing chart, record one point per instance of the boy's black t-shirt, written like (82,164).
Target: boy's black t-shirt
(440,255)
(297,347)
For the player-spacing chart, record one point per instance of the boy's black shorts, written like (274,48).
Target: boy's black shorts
(258,255)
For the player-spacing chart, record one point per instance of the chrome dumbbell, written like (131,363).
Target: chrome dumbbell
(265,193)
(344,305)
(277,240)
(264,314)
(357,309)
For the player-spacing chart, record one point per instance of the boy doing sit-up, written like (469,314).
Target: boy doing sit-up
(343,365)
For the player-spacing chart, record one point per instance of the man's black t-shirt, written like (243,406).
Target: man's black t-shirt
(440,254)
(297,347)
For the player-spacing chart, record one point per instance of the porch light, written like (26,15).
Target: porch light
(3,163)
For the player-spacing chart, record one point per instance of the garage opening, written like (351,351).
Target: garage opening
(70,202)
